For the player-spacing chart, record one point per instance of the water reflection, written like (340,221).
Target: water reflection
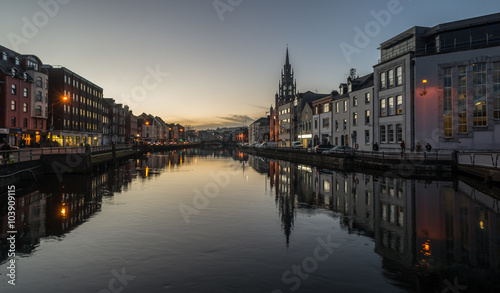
(431,235)
(53,208)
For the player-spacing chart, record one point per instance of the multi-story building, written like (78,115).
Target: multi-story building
(285,124)
(117,119)
(361,122)
(322,117)
(302,117)
(440,85)
(75,107)
(17,73)
(258,131)
(340,117)
(39,100)
(146,127)
(131,132)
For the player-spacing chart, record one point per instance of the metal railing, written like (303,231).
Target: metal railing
(484,159)
(30,154)
(442,155)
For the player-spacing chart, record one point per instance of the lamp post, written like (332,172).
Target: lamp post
(51,129)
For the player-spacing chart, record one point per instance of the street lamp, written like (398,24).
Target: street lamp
(51,129)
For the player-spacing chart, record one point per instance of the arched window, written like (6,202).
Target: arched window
(13,105)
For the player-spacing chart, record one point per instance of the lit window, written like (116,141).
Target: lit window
(13,105)
(447,104)
(383,108)
(382,80)
(479,96)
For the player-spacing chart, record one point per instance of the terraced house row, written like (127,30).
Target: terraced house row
(438,85)
(43,105)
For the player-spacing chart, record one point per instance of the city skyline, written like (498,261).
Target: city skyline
(216,63)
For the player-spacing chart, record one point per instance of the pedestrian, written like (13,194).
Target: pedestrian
(403,146)
(375,146)
(418,147)
(428,147)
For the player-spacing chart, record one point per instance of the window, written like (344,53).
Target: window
(391,105)
(326,122)
(13,89)
(25,122)
(382,80)
(496,90)
(39,96)
(315,124)
(326,107)
(367,98)
(354,101)
(399,75)
(447,104)
(34,123)
(345,124)
(345,106)
(390,131)
(390,76)
(25,92)
(399,132)
(39,82)
(25,107)
(462,99)
(382,133)
(367,136)
(367,117)
(38,110)
(479,95)
(355,118)
(336,107)
(399,105)
(17,60)
(13,105)
(383,109)
(336,125)
(4,56)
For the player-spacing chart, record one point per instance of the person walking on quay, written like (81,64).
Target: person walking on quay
(5,147)
(418,147)
(375,146)
(403,147)
(428,147)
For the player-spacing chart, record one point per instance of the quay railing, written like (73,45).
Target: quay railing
(30,154)
(483,159)
(441,155)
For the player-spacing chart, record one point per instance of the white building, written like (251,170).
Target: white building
(441,86)
(361,111)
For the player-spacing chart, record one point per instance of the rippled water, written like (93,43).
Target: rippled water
(220,221)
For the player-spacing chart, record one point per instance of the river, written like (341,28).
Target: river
(222,221)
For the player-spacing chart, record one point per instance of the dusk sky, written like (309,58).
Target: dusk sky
(217,63)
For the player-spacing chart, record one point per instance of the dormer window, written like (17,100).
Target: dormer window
(17,61)
(13,72)
(25,76)
(4,56)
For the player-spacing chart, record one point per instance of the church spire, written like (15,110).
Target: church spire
(287,60)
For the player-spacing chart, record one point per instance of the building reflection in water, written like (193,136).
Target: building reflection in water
(53,208)
(425,231)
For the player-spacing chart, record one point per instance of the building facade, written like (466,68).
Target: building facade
(75,105)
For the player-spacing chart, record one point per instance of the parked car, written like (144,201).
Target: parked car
(323,147)
(339,149)
(297,145)
(269,145)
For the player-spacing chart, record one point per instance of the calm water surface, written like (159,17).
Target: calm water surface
(220,221)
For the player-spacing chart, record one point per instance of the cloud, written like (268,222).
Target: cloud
(237,118)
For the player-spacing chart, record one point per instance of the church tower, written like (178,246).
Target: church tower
(287,87)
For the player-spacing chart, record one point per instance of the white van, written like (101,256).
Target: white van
(297,145)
